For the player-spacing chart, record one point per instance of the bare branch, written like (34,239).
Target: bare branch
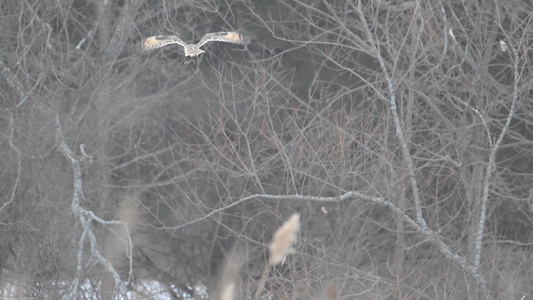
(493,151)
(85,218)
(394,110)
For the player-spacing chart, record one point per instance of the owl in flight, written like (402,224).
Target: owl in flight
(158,41)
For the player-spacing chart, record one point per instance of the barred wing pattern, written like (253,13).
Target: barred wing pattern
(159,41)
(228,37)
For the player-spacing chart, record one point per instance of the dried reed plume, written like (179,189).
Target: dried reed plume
(281,246)
(331,292)
(283,240)
(227,294)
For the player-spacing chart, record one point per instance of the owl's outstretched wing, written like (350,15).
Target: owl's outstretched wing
(224,36)
(159,41)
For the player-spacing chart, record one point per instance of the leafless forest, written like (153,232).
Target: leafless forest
(399,131)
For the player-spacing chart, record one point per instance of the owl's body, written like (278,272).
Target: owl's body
(192,50)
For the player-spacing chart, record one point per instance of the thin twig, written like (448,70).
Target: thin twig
(19,160)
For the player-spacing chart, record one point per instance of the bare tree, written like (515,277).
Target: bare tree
(399,131)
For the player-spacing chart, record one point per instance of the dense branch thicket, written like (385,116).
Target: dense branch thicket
(399,131)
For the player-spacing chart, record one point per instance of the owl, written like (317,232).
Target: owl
(192,50)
